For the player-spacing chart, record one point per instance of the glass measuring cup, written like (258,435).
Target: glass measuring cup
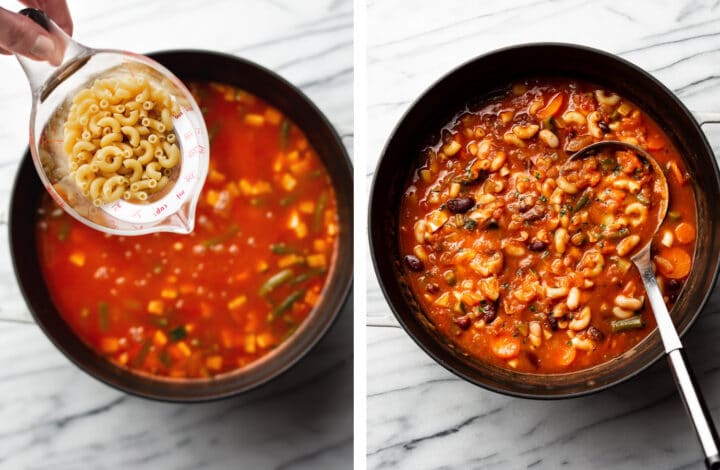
(53,88)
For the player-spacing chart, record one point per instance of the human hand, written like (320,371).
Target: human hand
(20,35)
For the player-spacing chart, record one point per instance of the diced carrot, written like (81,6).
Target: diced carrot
(273,116)
(288,182)
(551,108)
(506,347)
(265,340)
(184,348)
(214,362)
(565,356)
(227,338)
(206,310)
(254,119)
(678,263)
(237,302)
(290,260)
(311,297)
(319,245)
(159,338)
(122,358)
(262,266)
(250,344)
(169,293)
(684,232)
(655,142)
(109,345)
(156,307)
(316,261)
(307,207)
(674,169)
(212,197)
(78,258)
(215,176)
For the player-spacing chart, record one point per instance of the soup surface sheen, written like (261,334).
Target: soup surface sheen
(528,267)
(231,291)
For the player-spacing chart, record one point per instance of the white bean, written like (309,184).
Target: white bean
(511,138)
(561,240)
(549,138)
(526,131)
(621,313)
(627,244)
(573,299)
(628,303)
(567,186)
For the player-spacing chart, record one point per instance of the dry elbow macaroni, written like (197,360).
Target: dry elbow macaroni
(120,141)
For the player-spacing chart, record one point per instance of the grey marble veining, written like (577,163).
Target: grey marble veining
(421,416)
(52,415)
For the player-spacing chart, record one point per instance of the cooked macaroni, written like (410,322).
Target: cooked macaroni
(120,141)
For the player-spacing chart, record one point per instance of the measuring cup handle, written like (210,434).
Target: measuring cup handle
(696,407)
(40,72)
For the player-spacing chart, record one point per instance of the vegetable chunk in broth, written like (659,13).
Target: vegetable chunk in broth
(220,298)
(524,263)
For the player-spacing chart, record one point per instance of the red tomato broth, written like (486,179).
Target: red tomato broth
(445,260)
(191,306)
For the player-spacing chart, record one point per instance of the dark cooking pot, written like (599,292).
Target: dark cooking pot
(476,80)
(204,66)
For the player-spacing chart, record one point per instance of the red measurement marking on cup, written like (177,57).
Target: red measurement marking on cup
(160,209)
(116,206)
(137,214)
(190,177)
(180,194)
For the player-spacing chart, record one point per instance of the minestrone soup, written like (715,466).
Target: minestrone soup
(234,289)
(526,266)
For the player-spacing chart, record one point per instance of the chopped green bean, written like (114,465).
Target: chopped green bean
(284,134)
(450,278)
(103,316)
(582,202)
(165,358)
(177,333)
(286,201)
(282,249)
(319,211)
(162,322)
(674,216)
(470,224)
(275,281)
(231,232)
(632,323)
(307,275)
(142,354)
(64,232)
(213,131)
(286,304)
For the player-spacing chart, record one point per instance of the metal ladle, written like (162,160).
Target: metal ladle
(689,391)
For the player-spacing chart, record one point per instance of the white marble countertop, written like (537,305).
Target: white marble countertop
(52,415)
(421,416)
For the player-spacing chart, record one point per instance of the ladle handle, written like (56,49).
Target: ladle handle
(686,384)
(696,407)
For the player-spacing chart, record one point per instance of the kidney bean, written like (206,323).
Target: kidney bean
(536,213)
(414,263)
(674,284)
(463,322)
(603,127)
(432,288)
(552,321)
(533,359)
(460,205)
(489,312)
(537,245)
(595,334)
